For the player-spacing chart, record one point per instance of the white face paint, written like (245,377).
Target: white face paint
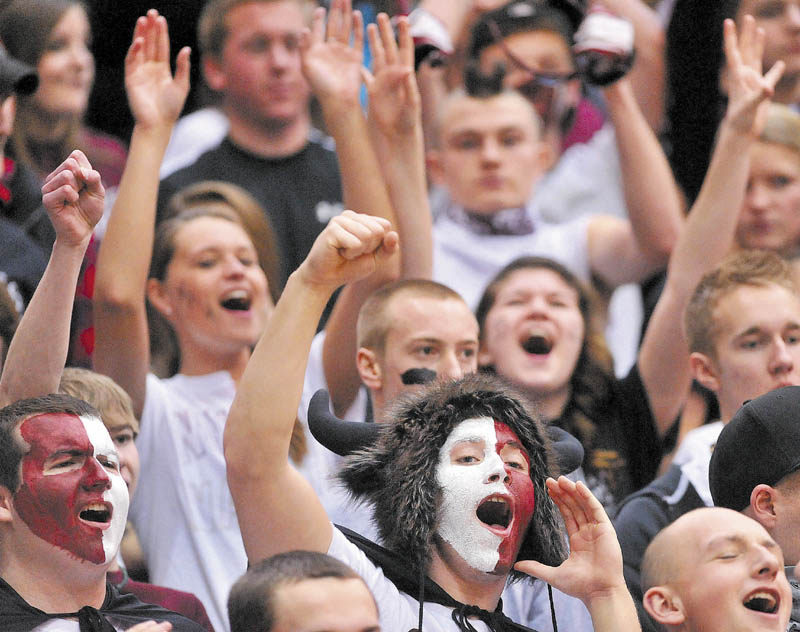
(117,494)
(482,459)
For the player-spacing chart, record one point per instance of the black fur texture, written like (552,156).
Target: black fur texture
(398,474)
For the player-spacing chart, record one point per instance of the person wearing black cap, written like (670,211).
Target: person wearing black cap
(755,469)
(458,479)
(22,261)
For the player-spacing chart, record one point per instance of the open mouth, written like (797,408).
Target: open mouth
(237,301)
(537,344)
(96,513)
(495,512)
(762,601)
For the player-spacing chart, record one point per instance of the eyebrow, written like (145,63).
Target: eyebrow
(738,540)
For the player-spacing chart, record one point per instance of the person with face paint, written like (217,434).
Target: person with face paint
(463,443)
(63,508)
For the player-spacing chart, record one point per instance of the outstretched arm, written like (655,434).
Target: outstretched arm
(620,251)
(593,570)
(155,98)
(396,131)
(73,197)
(266,488)
(710,227)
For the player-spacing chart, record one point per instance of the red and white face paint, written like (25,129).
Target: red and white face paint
(488,495)
(72,494)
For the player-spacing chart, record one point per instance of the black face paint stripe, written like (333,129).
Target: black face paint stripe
(418,376)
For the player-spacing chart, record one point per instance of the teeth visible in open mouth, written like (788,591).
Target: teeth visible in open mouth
(238,300)
(537,344)
(761,602)
(96,512)
(494,512)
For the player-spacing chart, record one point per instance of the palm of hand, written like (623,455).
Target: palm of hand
(333,69)
(154,96)
(391,105)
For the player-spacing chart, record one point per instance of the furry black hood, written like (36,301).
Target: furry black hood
(397,474)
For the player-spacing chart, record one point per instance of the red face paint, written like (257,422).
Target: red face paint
(60,477)
(521,487)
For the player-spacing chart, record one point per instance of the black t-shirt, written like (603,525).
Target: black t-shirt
(620,440)
(120,611)
(299,193)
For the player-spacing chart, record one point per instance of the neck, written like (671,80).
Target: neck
(47,128)
(551,405)
(203,362)
(270,139)
(462,582)
(43,586)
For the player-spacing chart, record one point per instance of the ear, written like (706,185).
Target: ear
(369,369)
(158,298)
(433,163)
(6,503)
(704,371)
(762,505)
(215,76)
(664,606)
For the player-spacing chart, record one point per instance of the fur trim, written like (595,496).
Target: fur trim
(397,474)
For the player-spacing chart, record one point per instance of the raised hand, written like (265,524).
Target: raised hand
(73,197)
(394,101)
(748,89)
(155,97)
(348,249)
(594,566)
(332,53)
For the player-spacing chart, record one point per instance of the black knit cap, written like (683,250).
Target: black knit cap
(561,16)
(760,444)
(16,76)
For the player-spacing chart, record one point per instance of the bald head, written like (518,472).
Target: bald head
(719,556)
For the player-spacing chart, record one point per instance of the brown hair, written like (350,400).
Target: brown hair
(212,27)
(593,374)
(782,126)
(373,323)
(755,268)
(9,319)
(25,28)
(108,397)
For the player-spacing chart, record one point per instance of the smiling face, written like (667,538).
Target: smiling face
(730,561)
(770,217)
(66,69)
(533,335)
(72,494)
(214,293)
(491,154)
(757,345)
(259,69)
(487,494)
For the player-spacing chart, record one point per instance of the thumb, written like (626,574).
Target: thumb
(536,569)
(390,245)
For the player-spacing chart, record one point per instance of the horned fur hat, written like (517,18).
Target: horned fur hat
(397,473)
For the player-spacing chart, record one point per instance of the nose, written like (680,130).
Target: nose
(767,564)
(781,360)
(490,152)
(95,477)
(757,198)
(234,267)
(450,368)
(280,57)
(793,15)
(496,469)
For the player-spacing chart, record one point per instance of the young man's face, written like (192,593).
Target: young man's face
(487,494)
(491,154)
(426,333)
(72,494)
(8,110)
(259,70)
(327,604)
(770,217)
(731,574)
(757,345)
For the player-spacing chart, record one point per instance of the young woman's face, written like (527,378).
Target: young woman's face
(533,334)
(66,68)
(214,293)
(770,217)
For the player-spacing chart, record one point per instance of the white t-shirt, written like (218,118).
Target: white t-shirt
(183,510)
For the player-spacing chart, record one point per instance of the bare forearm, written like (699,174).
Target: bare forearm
(614,612)
(651,195)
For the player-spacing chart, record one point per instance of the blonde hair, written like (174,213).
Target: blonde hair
(108,397)
(782,126)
